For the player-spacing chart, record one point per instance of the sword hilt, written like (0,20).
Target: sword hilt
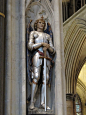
(44,49)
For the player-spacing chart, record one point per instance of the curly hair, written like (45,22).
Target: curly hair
(35,24)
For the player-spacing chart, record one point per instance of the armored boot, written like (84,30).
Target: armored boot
(33,92)
(43,97)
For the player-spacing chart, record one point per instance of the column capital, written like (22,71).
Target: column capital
(69,97)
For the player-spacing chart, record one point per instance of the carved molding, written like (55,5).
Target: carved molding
(74,45)
(47,5)
(37,8)
(69,97)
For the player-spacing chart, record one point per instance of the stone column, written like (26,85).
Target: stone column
(83,107)
(8,52)
(74,107)
(22,59)
(66,10)
(2,40)
(84,2)
(60,93)
(81,3)
(69,101)
(63,11)
(15,67)
(73,6)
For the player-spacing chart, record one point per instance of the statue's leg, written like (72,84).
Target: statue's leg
(34,86)
(43,88)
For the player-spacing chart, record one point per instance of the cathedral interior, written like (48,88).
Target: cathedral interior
(13,20)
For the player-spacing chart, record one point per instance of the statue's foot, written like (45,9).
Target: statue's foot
(43,106)
(32,106)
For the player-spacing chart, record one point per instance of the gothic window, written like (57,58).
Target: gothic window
(78,105)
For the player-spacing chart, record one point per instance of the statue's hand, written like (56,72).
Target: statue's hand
(45,45)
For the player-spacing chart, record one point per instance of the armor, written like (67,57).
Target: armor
(36,39)
(35,42)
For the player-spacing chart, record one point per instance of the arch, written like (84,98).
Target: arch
(40,8)
(32,11)
(80,67)
(45,4)
(81,91)
(74,45)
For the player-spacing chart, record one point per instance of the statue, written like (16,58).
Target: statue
(38,39)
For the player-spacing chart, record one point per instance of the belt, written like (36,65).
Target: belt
(42,56)
(41,53)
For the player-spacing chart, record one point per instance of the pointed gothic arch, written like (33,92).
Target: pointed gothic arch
(74,49)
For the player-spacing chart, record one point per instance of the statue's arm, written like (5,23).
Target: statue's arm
(51,48)
(31,45)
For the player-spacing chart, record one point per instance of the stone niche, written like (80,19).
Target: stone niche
(35,10)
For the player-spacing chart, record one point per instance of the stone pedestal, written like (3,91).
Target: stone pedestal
(40,112)
(69,102)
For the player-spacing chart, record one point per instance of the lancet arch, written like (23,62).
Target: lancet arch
(74,50)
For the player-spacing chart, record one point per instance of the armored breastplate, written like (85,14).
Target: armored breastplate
(40,37)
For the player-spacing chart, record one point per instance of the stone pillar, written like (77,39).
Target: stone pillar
(69,101)
(66,10)
(73,6)
(81,3)
(83,108)
(60,93)
(15,67)
(8,60)
(2,40)
(63,11)
(22,59)
(84,2)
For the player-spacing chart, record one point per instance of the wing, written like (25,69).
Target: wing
(28,53)
(49,30)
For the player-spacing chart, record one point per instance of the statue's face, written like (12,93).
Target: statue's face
(40,25)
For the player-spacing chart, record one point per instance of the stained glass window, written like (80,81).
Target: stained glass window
(78,105)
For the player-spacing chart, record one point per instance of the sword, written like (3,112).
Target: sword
(44,57)
(44,49)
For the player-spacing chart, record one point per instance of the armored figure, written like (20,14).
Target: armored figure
(37,40)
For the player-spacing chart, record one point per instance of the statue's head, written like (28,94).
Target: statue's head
(40,23)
